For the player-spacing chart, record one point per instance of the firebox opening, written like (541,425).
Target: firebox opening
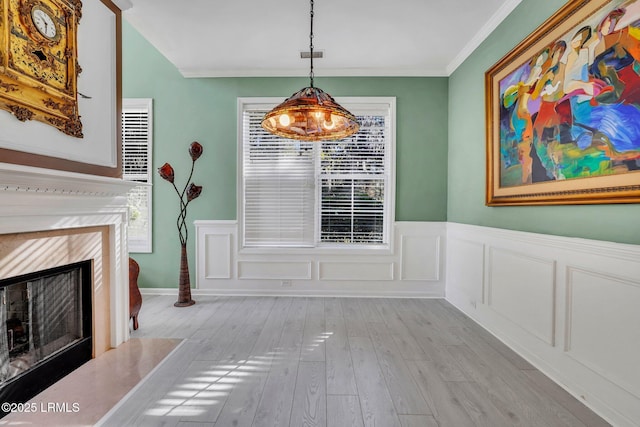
(48,329)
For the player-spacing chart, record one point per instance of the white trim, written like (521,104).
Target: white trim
(351,103)
(38,180)
(481,35)
(325,72)
(298,293)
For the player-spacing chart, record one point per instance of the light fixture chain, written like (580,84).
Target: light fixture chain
(310,114)
(311,45)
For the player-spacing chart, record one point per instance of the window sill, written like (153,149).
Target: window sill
(320,250)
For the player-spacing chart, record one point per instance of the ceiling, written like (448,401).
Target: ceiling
(247,38)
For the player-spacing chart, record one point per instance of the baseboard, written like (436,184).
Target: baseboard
(298,293)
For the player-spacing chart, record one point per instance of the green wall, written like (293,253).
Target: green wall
(205,110)
(616,223)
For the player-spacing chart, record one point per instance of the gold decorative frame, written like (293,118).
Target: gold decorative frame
(515,139)
(38,75)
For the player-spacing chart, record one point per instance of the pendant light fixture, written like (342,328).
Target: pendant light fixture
(310,114)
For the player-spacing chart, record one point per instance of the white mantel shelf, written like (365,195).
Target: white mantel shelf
(31,179)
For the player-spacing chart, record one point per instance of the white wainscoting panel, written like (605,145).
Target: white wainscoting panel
(412,266)
(465,271)
(218,244)
(522,288)
(218,265)
(603,325)
(569,306)
(274,270)
(369,271)
(425,267)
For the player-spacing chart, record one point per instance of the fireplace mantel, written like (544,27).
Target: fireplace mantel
(44,200)
(26,179)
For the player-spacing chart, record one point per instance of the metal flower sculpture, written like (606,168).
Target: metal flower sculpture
(192,192)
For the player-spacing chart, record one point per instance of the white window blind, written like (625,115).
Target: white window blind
(353,177)
(311,194)
(279,192)
(136,166)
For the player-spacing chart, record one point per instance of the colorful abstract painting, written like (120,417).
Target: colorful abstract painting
(570,108)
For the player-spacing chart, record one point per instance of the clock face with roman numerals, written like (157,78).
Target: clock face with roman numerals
(38,61)
(43,22)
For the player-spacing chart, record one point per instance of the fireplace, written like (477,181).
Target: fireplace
(53,219)
(48,333)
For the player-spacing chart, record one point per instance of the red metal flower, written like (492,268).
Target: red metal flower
(193,191)
(195,150)
(166,172)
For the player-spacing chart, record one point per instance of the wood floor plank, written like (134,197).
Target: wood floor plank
(368,308)
(448,411)
(481,410)
(221,340)
(418,421)
(514,358)
(404,392)
(247,334)
(339,364)
(501,395)
(332,307)
(344,411)
(547,408)
(434,351)
(242,403)
(192,424)
(378,327)
(310,398)
(389,315)
(220,313)
(562,397)
(508,393)
(443,325)
(313,346)
(467,325)
(375,400)
(191,394)
(407,344)
(293,328)
(356,326)
(155,421)
(267,346)
(176,322)
(183,321)
(276,401)
(399,329)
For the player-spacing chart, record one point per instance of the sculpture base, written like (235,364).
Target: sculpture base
(184,285)
(184,304)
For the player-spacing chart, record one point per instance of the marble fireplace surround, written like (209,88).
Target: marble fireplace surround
(52,218)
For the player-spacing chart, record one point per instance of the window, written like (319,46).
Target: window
(136,166)
(317,194)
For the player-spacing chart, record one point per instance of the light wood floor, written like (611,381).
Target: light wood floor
(278,361)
